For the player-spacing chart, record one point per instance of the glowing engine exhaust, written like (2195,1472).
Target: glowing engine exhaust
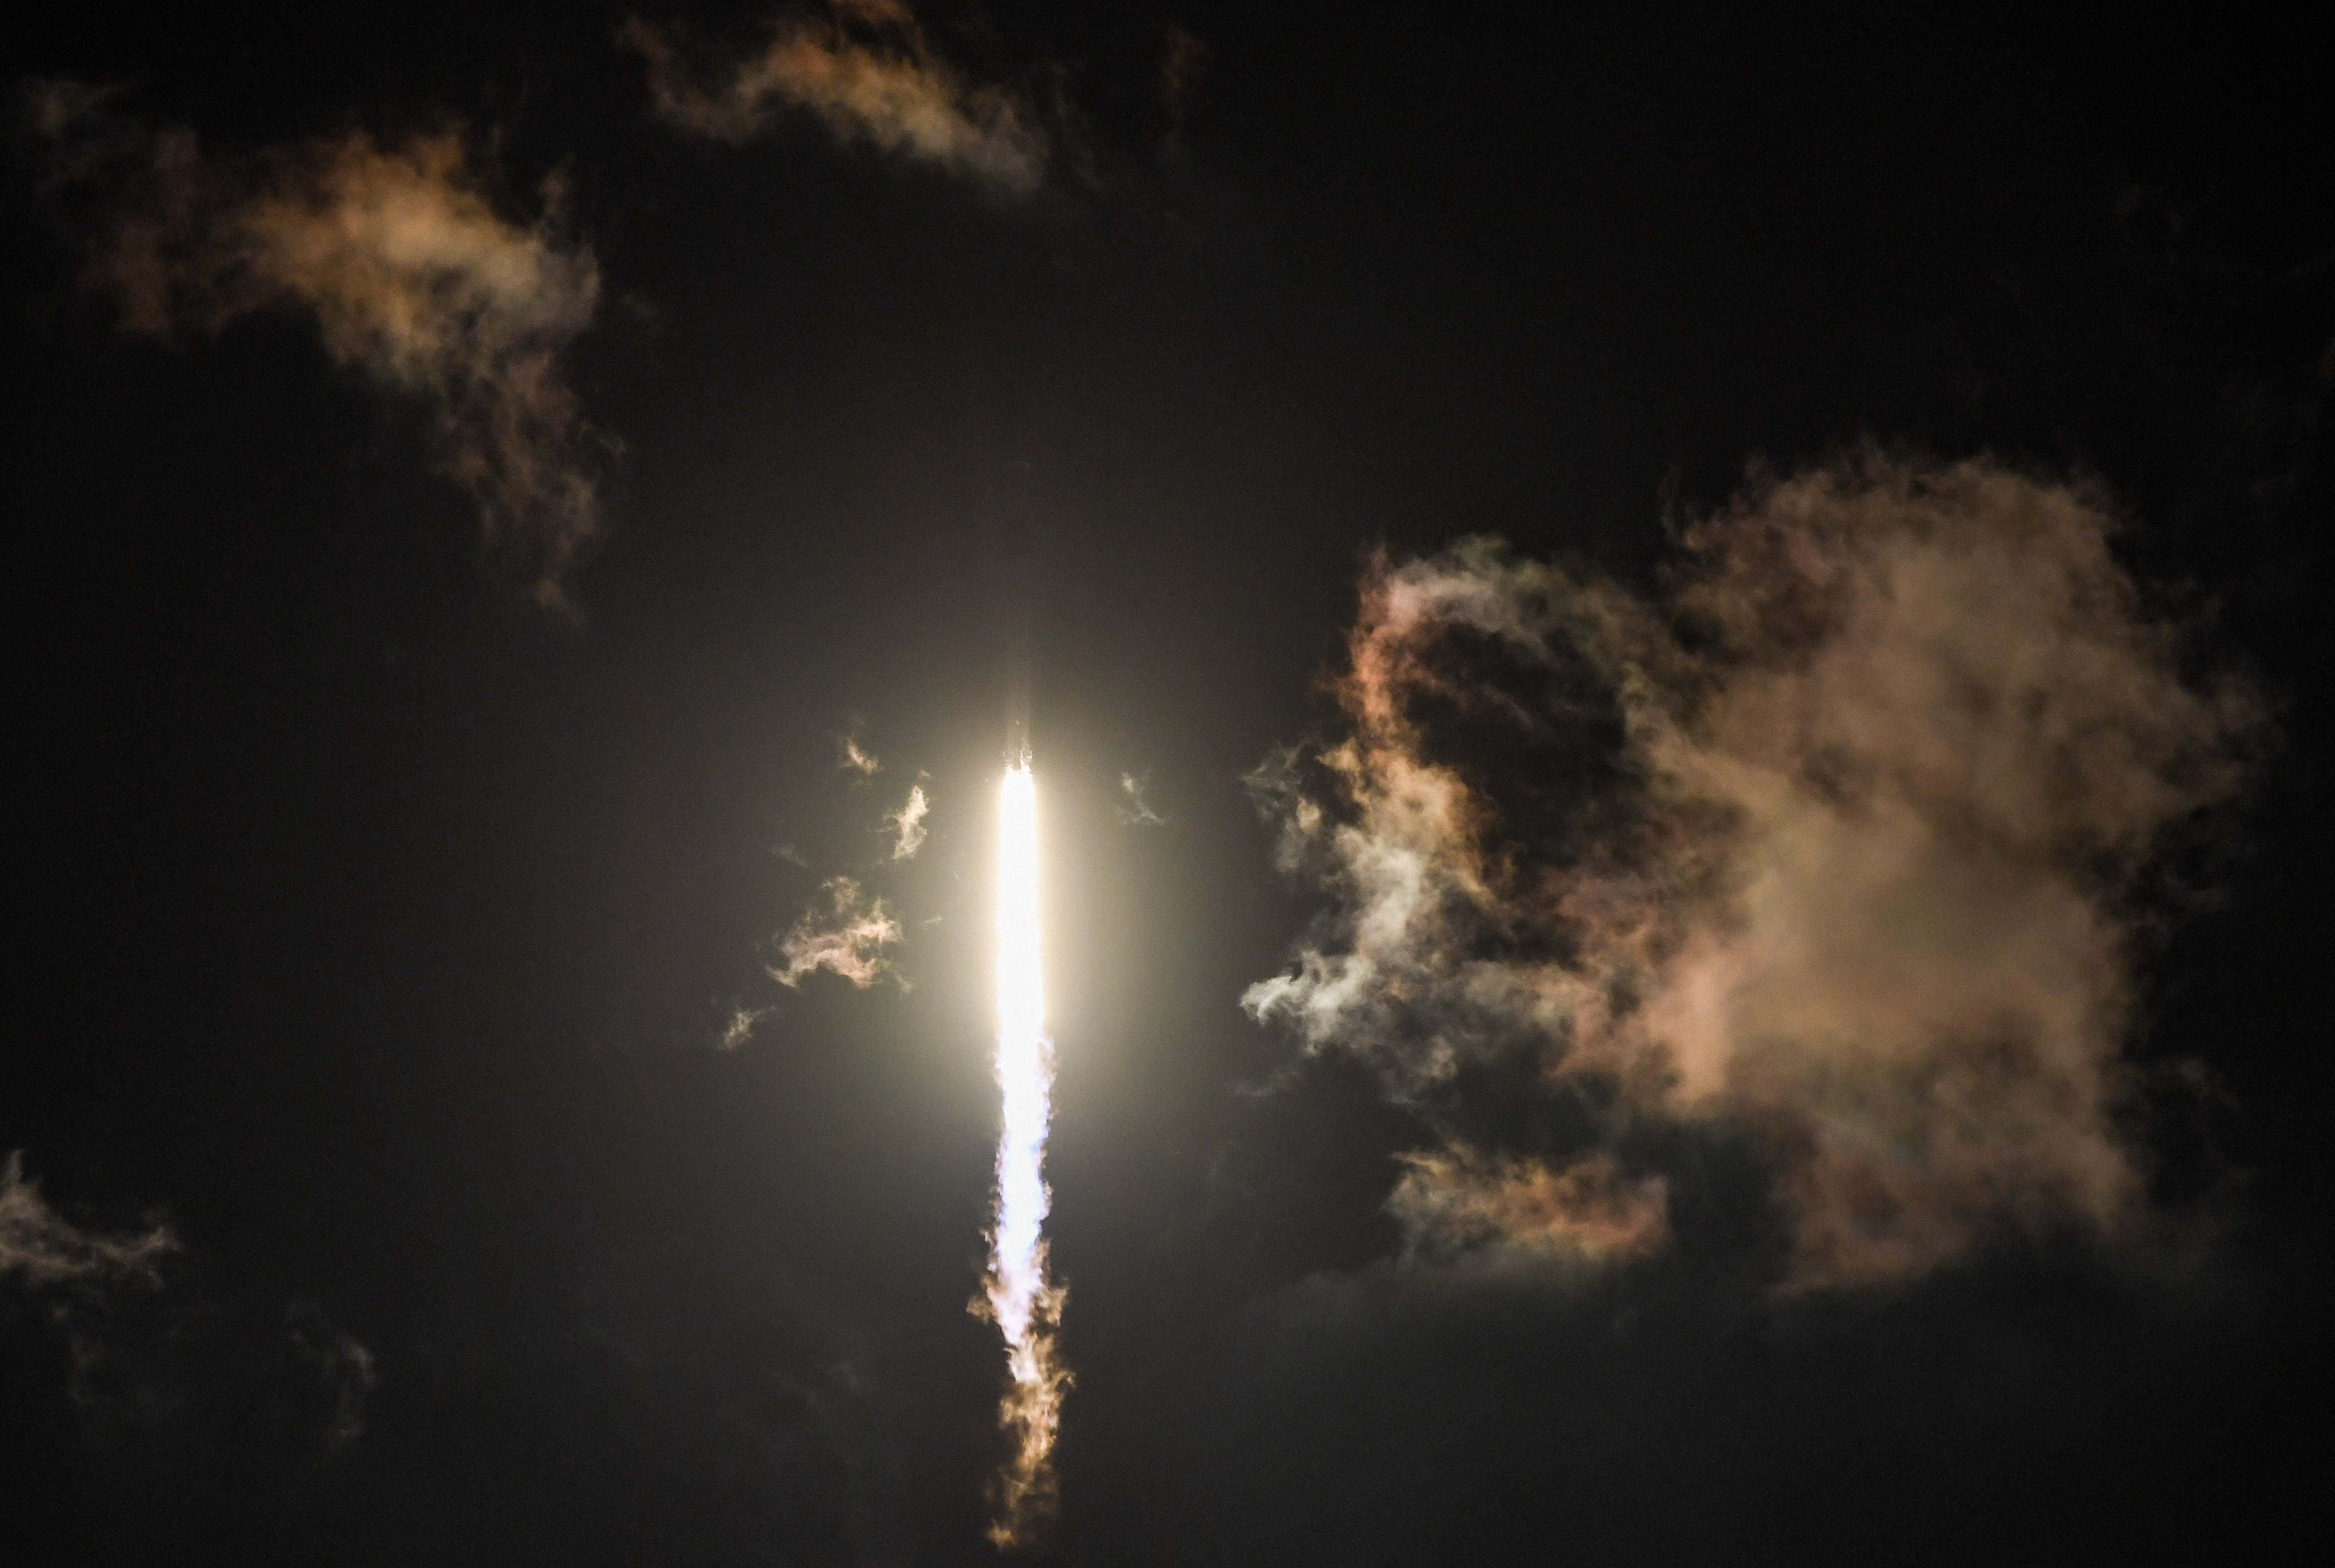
(1025,1305)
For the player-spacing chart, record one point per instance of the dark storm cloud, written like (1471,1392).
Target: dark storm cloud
(1838,845)
(395,250)
(868,74)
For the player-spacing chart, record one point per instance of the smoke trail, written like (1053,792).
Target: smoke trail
(1025,1304)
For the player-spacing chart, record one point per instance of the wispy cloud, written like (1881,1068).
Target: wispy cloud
(740,1026)
(154,1355)
(852,758)
(42,1250)
(908,824)
(1183,59)
(868,74)
(83,1280)
(1837,846)
(412,274)
(1458,1197)
(330,1372)
(845,934)
(1135,808)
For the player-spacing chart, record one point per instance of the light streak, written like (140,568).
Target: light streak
(1025,1305)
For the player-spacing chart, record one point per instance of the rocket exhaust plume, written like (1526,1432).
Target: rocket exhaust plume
(1020,1298)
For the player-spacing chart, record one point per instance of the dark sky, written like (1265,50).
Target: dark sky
(377,928)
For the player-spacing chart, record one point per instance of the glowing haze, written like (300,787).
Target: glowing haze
(1025,1305)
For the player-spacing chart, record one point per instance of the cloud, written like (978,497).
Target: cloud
(1839,844)
(1136,810)
(848,937)
(852,759)
(156,1359)
(397,253)
(1183,59)
(331,1376)
(740,1026)
(42,1250)
(1457,1198)
(908,824)
(869,76)
(86,1281)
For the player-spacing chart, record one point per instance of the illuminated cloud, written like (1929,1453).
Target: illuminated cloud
(83,1280)
(42,1251)
(869,76)
(740,1026)
(851,758)
(908,824)
(151,1352)
(1456,1198)
(1136,810)
(1838,845)
(847,937)
(395,251)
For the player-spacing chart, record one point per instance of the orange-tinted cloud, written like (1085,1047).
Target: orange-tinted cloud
(412,275)
(847,937)
(1837,844)
(1457,1197)
(869,75)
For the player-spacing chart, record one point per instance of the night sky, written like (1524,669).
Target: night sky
(428,734)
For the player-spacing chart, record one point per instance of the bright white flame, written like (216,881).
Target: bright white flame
(1025,1305)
